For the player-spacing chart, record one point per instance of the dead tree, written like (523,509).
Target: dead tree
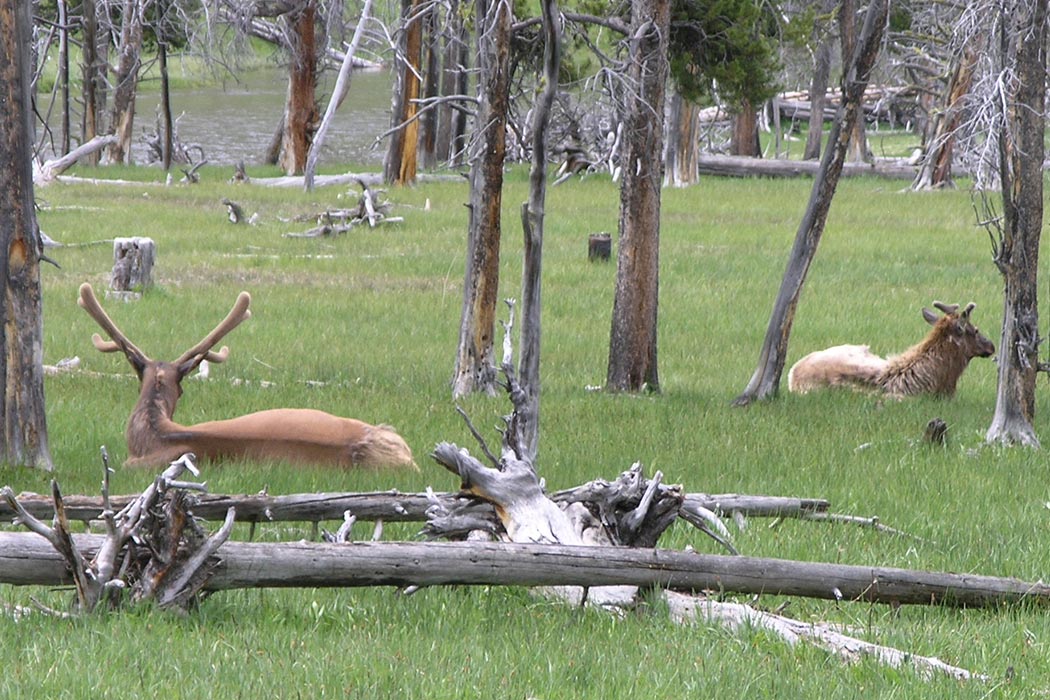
(1023,29)
(24,436)
(633,338)
(171,568)
(400,164)
(339,93)
(475,370)
(127,79)
(765,382)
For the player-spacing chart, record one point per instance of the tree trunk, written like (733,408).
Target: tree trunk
(744,141)
(127,80)
(474,370)
(683,142)
(399,167)
(936,168)
(339,93)
(525,426)
(93,66)
(21,336)
(1021,151)
(431,90)
(301,111)
(818,87)
(766,380)
(454,79)
(632,342)
(858,141)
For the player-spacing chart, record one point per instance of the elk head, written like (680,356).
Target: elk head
(960,329)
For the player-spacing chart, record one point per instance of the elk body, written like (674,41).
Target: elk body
(933,366)
(299,435)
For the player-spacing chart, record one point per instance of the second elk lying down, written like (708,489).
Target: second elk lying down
(299,435)
(933,366)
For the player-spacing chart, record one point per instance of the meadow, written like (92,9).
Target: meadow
(365,325)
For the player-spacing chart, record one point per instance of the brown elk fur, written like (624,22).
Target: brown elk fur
(933,366)
(299,435)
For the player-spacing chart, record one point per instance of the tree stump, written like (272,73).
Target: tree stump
(599,246)
(132,264)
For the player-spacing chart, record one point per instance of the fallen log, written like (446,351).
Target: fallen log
(740,166)
(28,559)
(390,506)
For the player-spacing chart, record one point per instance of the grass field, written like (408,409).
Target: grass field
(374,316)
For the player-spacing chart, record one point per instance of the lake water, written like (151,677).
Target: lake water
(236,121)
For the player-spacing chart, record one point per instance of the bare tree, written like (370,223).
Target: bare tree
(475,370)
(633,340)
(818,86)
(1022,101)
(766,380)
(127,78)
(525,423)
(399,166)
(21,335)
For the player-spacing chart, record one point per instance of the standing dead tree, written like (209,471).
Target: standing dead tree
(1020,107)
(765,382)
(474,369)
(633,336)
(23,440)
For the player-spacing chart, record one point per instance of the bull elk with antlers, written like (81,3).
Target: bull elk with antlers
(933,366)
(299,435)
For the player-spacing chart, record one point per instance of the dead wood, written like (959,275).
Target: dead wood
(152,547)
(26,559)
(739,166)
(50,170)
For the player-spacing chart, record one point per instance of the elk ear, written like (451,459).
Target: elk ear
(931,318)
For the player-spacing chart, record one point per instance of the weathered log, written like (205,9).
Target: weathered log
(390,506)
(735,166)
(28,559)
(47,172)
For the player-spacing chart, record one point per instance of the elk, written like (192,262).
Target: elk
(933,366)
(299,435)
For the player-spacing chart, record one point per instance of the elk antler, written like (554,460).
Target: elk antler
(89,303)
(969,307)
(946,308)
(189,360)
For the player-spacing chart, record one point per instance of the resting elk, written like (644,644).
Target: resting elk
(931,367)
(299,435)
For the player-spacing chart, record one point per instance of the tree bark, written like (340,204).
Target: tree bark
(858,141)
(431,89)
(28,559)
(339,93)
(93,66)
(818,87)
(526,424)
(301,111)
(388,506)
(25,441)
(744,141)
(399,167)
(683,142)
(127,80)
(1021,152)
(633,340)
(766,380)
(936,170)
(475,370)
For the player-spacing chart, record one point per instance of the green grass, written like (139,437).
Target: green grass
(374,316)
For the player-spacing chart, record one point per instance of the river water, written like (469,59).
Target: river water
(236,122)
